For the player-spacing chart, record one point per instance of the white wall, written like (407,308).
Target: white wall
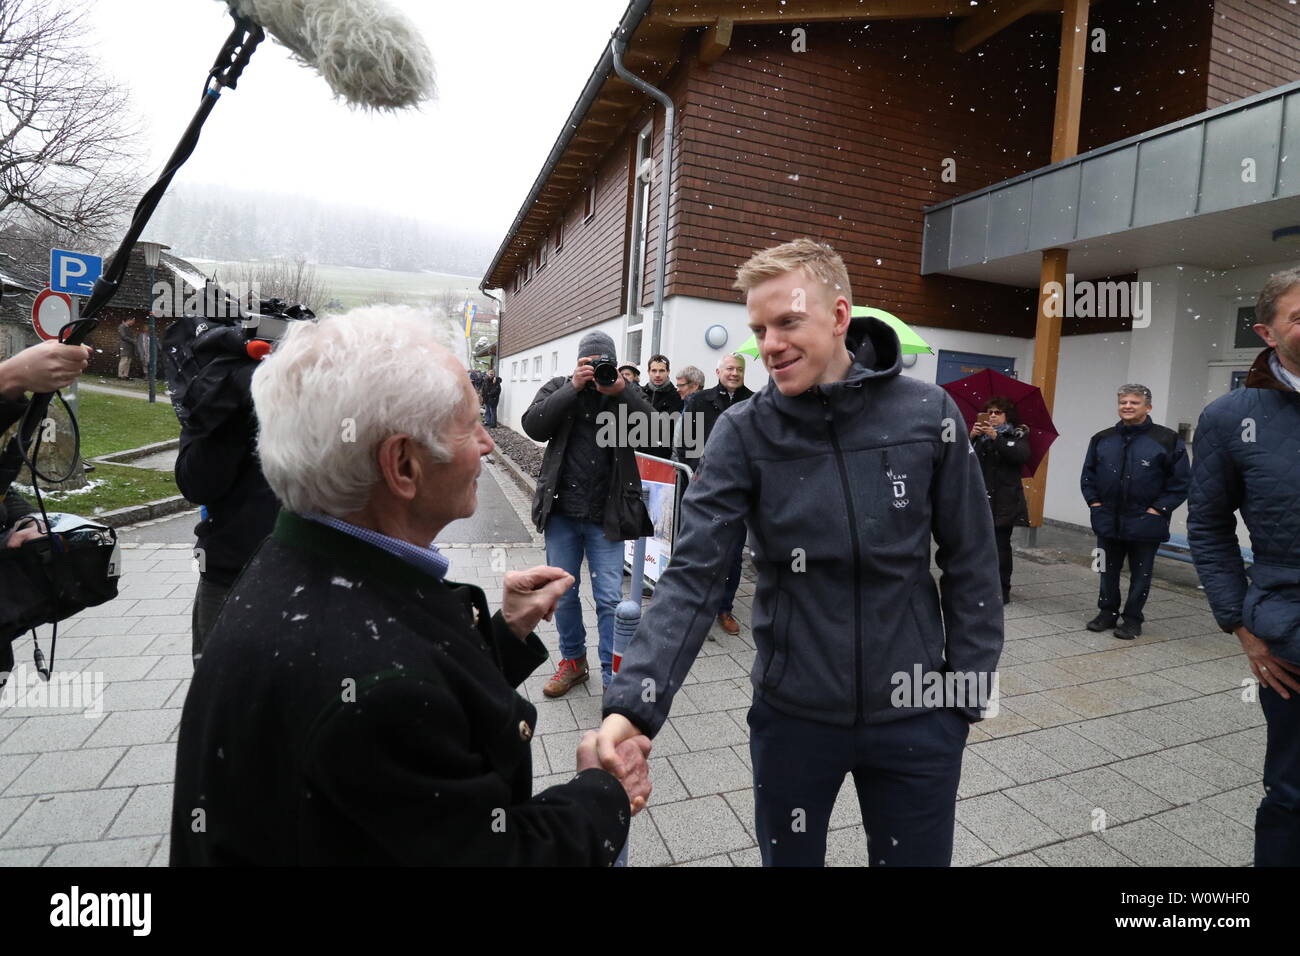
(685,321)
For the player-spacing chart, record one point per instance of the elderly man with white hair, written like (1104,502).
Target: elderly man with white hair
(352,705)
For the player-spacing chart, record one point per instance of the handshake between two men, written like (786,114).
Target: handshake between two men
(619,748)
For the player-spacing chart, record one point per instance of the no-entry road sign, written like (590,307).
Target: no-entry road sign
(51,312)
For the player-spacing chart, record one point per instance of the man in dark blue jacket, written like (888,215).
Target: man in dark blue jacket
(1134,476)
(1247,459)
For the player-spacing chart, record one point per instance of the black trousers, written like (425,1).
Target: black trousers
(1141,557)
(1003,536)
(1277,821)
(208,599)
(906,773)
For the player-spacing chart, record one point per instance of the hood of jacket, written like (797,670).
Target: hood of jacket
(876,356)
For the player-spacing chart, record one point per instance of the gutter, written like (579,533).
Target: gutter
(628,25)
(619,46)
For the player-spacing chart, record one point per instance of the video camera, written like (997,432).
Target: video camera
(272,320)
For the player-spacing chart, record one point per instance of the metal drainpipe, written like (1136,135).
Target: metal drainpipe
(501,314)
(618,46)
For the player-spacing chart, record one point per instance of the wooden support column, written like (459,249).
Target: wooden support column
(1065,143)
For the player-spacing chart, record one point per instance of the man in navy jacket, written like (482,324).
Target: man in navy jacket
(1134,476)
(1247,459)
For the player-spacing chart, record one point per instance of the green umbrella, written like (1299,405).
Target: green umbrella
(912,343)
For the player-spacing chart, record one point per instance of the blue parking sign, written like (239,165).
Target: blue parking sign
(74,273)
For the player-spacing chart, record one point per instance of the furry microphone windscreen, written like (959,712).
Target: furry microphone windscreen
(370,54)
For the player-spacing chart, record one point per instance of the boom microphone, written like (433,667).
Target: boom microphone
(370,54)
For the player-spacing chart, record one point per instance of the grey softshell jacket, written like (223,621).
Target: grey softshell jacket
(843,488)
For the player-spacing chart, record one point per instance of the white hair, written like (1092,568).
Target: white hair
(730,355)
(334,389)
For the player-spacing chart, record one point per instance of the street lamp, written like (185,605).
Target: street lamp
(152,254)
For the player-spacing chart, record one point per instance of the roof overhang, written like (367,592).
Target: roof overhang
(1207,191)
(655,30)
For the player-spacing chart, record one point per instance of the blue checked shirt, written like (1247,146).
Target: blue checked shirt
(429,560)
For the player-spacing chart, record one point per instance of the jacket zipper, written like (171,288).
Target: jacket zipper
(857,561)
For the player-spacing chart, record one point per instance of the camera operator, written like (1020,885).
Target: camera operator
(217,467)
(41,368)
(588,498)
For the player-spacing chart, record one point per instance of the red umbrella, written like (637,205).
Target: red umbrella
(973,391)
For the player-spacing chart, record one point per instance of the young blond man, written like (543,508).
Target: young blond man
(843,471)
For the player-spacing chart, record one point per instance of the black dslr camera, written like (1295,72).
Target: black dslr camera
(606,370)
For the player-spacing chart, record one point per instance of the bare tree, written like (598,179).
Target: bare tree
(296,282)
(66,143)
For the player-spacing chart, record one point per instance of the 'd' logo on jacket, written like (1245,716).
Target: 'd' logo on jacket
(900,488)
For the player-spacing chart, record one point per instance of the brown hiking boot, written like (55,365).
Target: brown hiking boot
(729,622)
(570,672)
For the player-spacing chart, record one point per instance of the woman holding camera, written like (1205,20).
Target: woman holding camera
(1002,445)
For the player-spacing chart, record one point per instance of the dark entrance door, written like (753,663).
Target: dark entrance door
(955,365)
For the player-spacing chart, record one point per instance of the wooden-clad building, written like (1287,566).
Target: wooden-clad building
(934,144)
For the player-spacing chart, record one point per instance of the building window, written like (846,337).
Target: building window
(637,248)
(1245,336)
(555,362)
(589,201)
(537,368)
(559,234)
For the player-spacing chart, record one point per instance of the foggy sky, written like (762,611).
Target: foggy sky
(509,71)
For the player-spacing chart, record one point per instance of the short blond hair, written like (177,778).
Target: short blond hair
(817,259)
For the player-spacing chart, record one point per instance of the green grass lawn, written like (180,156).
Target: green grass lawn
(130,384)
(111,486)
(111,423)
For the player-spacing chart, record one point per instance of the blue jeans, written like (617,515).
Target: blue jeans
(733,579)
(1141,557)
(490,414)
(906,773)
(567,540)
(1277,821)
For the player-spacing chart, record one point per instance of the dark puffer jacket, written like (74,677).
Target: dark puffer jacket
(1001,459)
(1130,468)
(1247,459)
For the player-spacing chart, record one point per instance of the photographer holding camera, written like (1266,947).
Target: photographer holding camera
(588,498)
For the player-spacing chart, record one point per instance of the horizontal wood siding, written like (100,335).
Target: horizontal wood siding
(1153,71)
(1255,46)
(846,143)
(581,284)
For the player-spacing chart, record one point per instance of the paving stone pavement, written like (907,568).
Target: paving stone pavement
(1105,753)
